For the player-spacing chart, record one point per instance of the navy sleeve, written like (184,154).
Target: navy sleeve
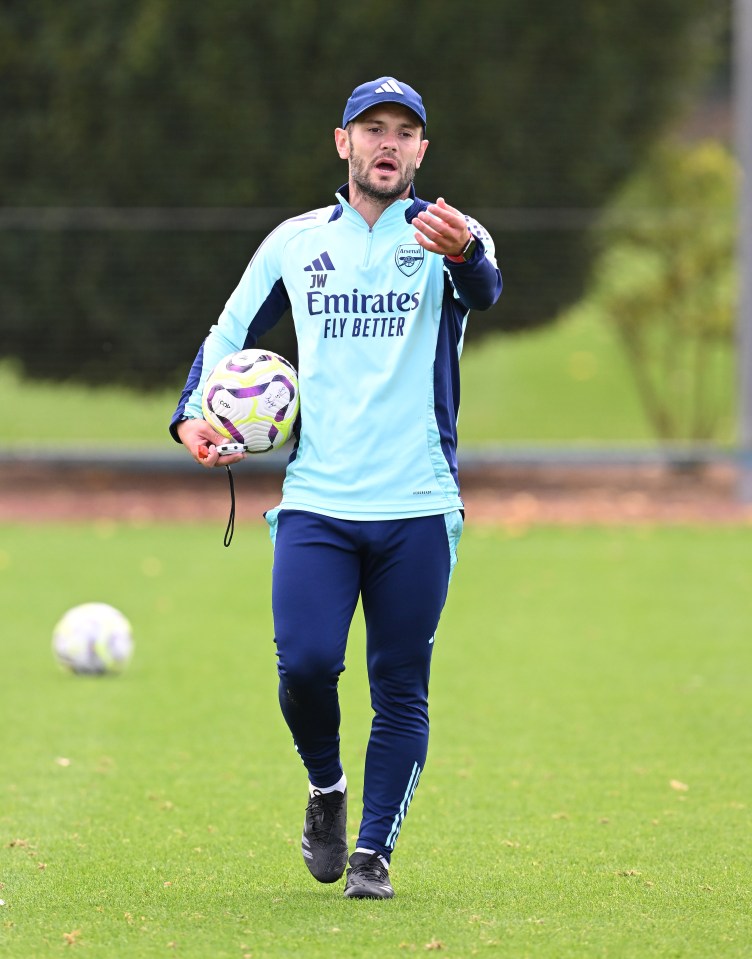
(478,282)
(190,385)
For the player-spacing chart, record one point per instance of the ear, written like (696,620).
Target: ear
(421,153)
(342,142)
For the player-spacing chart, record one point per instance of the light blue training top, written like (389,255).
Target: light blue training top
(379,323)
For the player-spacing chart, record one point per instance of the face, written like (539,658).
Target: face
(383,147)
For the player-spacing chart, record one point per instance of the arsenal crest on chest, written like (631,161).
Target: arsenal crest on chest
(409,258)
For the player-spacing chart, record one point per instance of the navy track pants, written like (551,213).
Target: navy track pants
(401,570)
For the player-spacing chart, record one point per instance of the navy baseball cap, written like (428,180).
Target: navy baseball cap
(383,90)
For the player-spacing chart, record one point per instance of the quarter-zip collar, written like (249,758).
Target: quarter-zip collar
(407,207)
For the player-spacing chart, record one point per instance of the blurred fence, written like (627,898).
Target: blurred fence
(83,287)
(250,220)
(94,232)
(108,294)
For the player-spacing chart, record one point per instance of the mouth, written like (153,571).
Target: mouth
(385,165)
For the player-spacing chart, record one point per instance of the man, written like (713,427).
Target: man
(380,285)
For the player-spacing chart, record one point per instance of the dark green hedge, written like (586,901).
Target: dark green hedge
(532,104)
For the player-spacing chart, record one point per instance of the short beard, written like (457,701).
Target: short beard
(380,194)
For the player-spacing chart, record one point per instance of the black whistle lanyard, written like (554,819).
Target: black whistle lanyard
(231,520)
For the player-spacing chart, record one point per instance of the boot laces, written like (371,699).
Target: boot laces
(321,811)
(372,868)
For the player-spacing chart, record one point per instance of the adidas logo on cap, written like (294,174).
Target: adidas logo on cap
(391,86)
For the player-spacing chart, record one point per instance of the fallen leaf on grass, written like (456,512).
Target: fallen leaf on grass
(434,944)
(678,786)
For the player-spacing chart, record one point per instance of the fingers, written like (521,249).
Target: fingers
(441,229)
(201,440)
(207,455)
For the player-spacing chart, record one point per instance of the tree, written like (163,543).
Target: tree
(666,279)
(532,104)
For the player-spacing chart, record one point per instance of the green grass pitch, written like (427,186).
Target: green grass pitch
(587,792)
